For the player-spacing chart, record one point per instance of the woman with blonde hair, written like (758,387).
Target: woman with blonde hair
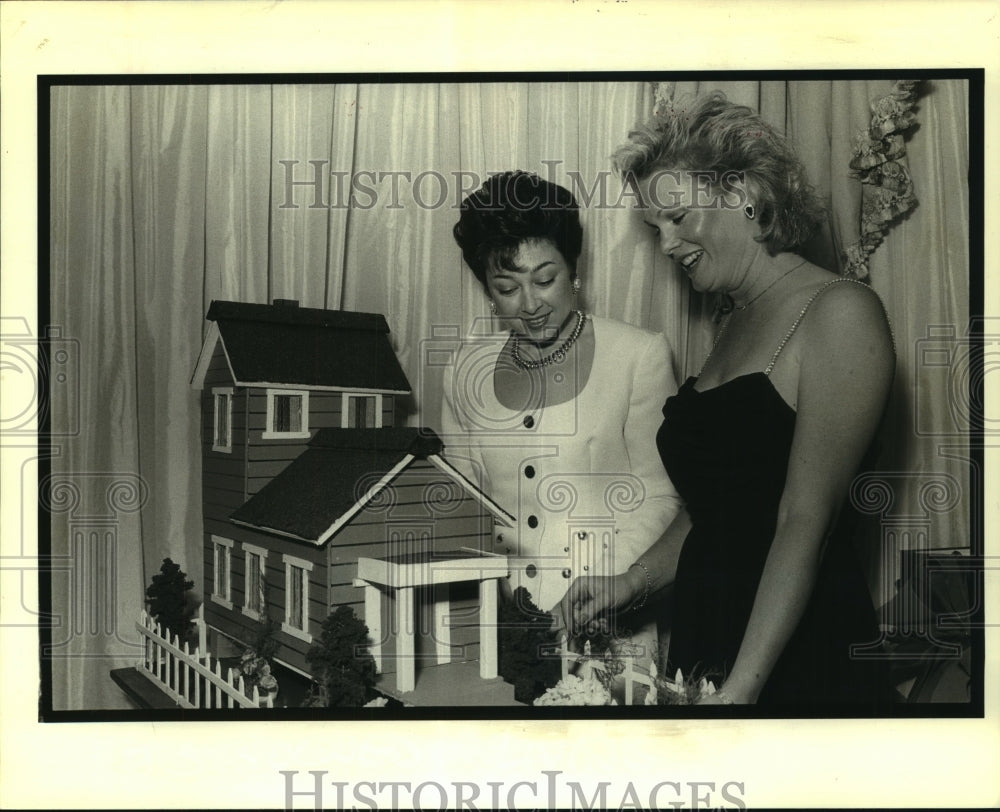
(763,444)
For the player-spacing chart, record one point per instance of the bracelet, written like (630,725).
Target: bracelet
(649,585)
(724,698)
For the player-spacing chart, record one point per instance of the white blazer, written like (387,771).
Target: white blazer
(584,478)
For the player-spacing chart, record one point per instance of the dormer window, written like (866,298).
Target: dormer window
(287,414)
(362,412)
(222,437)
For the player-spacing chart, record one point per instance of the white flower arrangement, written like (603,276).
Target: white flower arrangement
(591,685)
(574,690)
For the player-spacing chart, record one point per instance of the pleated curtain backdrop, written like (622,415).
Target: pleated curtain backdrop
(164,198)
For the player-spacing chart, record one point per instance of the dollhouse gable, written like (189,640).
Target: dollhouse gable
(287,346)
(272,376)
(353,495)
(347,473)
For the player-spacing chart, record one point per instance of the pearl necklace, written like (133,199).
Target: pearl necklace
(555,357)
(775,282)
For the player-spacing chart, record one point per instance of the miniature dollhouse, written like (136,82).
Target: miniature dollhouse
(314,498)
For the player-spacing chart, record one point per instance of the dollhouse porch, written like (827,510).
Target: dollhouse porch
(422,577)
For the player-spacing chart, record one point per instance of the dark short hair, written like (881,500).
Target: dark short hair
(713,135)
(512,208)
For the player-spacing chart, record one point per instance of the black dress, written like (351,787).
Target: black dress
(726,450)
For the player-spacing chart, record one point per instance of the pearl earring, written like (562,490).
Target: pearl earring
(576,286)
(493,307)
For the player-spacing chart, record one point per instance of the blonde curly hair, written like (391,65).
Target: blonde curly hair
(710,134)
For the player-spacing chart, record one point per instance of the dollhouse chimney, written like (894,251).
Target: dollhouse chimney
(286,302)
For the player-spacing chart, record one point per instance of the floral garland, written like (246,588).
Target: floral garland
(663,97)
(256,670)
(594,682)
(878,162)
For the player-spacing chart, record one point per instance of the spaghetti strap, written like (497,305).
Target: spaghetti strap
(802,313)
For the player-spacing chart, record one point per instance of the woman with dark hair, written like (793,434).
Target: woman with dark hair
(763,444)
(554,415)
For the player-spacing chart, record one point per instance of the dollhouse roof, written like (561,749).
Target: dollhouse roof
(287,345)
(340,473)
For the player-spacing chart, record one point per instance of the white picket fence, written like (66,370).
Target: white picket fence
(189,677)
(632,675)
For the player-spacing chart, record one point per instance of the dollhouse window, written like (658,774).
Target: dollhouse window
(287,414)
(297,597)
(222,550)
(362,412)
(222,439)
(253,574)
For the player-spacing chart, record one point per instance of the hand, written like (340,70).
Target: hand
(590,599)
(731,698)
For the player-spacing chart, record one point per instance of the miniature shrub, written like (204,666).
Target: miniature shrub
(343,668)
(528,656)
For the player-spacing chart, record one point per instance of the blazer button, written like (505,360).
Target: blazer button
(532,522)
(566,573)
(531,570)
(529,421)
(529,471)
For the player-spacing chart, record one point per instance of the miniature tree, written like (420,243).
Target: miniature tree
(343,668)
(528,657)
(168,599)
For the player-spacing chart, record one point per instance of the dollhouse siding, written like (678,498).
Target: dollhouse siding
(223,472)
(223,485)
(324,411)
(218,373)
(223,478)
(241,627)
(268,458)
(409,514)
